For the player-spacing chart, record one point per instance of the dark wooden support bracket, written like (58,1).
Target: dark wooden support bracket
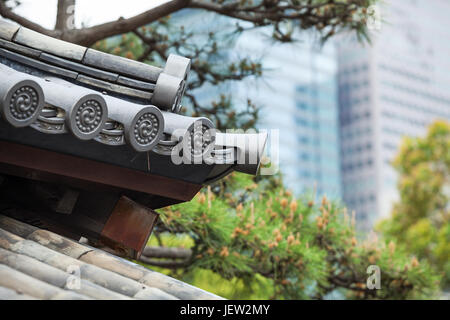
(84,198)
(105,219)
(129,227)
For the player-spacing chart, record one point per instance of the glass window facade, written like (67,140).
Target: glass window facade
(299,97)
(389,90)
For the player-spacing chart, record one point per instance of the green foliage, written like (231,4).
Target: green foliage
(258,241)
(420,220)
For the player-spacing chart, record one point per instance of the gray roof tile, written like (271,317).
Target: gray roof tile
(114,87)
(21,49)
(16,280)
(38,64)
(34,263)
(136,83)
(178,66)
(78,67)
(121,65)
(9,294)
(7,29)
(100,70)
(42,42)
(54,276)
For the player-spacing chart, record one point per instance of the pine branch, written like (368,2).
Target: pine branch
(328,17)
(169,264)
(167,253)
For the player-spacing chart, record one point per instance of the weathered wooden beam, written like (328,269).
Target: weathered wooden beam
(58,164)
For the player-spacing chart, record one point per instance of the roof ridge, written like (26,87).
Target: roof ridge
(163,87)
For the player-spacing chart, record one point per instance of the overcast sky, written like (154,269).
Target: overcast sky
(89,12)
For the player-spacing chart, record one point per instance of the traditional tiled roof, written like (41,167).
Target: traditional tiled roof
(38,264)
(63,89)
(91,94)
(163,87)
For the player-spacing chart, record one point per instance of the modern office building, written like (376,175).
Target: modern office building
(298,97)
(394,88)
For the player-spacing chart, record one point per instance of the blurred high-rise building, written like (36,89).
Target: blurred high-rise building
(393,88)
(298,97)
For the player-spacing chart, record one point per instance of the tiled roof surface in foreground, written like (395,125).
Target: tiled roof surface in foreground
(38,264)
